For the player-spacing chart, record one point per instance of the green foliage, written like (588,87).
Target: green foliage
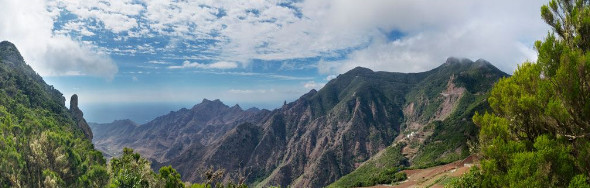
(470,180)
(451,134)
(229,185)
(95,177)
(538,133)
(170,177)
(40,146)
(580,181)
(384,170)
(131,170)
(197,185)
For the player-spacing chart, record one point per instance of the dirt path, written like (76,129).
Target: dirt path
(434,176)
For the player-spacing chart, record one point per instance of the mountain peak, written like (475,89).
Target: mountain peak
(6,44)
(359,71)
(206,103)
(455,64)
(237,106)
(483,62)
(8,51)
(253,109)
(309,94)
(456,60)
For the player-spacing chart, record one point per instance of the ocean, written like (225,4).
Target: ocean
(138,112)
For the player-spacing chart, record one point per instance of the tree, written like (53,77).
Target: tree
(539,131)
(170,177)
(131,170)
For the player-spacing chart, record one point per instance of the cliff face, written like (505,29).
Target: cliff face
(79,117)
(170,135)
(325,134)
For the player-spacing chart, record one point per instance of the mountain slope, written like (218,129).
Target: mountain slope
(327,134)
(437,125)
(42,143)
(174,133)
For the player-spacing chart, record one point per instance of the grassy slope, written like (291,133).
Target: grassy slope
(383,168)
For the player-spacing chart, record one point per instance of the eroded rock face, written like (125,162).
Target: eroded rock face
(79,117)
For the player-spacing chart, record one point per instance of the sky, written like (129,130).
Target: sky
(255,52)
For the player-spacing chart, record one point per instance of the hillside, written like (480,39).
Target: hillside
(437,122)
(325,134)
(43,144)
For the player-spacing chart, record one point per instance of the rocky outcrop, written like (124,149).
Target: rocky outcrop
(79,117)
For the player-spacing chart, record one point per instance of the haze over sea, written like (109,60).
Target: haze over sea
(144,112)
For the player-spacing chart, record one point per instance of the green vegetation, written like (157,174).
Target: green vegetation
(384,170)
(131,170)
(538,133)
(450,137)
(36,151)
(40,145)
(446,140)
(450,134)
(469,180)
(476,77)
(364,84)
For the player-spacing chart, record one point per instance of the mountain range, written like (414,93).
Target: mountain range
(360,122)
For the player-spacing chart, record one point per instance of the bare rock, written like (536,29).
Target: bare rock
(79,117)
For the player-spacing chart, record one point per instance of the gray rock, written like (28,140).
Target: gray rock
(78,116)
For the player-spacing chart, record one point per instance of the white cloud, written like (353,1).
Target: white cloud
(251,91)
(116,15)
(313,85)
(216,65)
(223,65)
(159,62)
(246,30)
(266,75)
(284,77)
(29,25)
(330,77)
(436,30)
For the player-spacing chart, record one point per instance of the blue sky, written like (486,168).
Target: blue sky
(255,52)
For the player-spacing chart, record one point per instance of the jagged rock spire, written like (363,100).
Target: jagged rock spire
(79,117)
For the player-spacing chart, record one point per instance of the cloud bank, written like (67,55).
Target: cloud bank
(29,25)
(216,65)
(69,37)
